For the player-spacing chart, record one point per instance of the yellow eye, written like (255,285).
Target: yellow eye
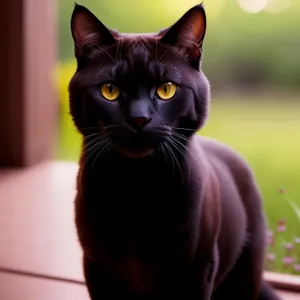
(166,90)
(110,91)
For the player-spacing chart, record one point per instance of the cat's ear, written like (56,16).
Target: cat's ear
(88,30)
(188,32)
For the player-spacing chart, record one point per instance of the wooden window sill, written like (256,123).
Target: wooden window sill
(284,281)
(38,238)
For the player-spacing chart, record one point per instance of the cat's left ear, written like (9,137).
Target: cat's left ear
(188,32)
(88,30)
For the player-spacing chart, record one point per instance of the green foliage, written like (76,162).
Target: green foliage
(68,137)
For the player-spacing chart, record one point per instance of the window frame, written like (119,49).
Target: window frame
(28,114)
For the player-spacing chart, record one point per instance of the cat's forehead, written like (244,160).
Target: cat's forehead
(138,35)
(137,45)
(137,39)
(142,54)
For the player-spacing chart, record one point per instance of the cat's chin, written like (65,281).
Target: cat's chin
(135,153)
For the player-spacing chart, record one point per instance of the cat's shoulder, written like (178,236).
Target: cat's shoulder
(216,148)
(220,154)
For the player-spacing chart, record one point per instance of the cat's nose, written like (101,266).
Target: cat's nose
(138,123)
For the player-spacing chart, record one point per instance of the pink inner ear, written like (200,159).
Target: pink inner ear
(196,28)
(83,29)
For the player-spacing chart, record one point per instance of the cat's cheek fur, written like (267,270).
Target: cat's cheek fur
(202,103)
(194,115)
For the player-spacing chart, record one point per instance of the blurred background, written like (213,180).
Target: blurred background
(252,59)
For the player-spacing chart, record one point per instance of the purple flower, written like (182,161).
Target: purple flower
(281,228)
(297,267)
(288,260)
(288,246)
(271,257)
(270,239)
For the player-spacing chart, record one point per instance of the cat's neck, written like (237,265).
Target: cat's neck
(172,163)
(157,160)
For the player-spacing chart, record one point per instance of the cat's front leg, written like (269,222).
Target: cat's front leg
(200,289)
(204,276)
(198,283)
(100,285)
(203,283)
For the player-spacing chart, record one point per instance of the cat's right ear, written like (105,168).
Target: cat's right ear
(88,30)
(187,33)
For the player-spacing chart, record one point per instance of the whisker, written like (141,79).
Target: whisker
(91,145)
(169,155)
(159,61)
(179,128)
(174,157)
(92,134)
(88,142)
(110,147)
(96,147)
(88,155)
(90,137)
(91,150)
(181,149)
(178,145)
(102,150)
(181,136)
(162,148)
(183,146)
(92,140)
(86,128)
(177,163)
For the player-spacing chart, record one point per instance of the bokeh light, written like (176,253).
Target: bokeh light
(277,6)
(253,6)
(214,8)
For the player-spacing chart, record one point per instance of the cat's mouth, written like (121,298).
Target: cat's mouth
(137,144)
(135,153)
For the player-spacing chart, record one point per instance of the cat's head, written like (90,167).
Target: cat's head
(139,91)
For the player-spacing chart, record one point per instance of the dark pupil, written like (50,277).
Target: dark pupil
(165,87)
(111,88)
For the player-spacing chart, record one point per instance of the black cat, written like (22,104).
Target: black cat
(161,212)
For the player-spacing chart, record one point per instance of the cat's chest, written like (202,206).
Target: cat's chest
(139,223)
(141,206)
(138,196)
(131,188)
